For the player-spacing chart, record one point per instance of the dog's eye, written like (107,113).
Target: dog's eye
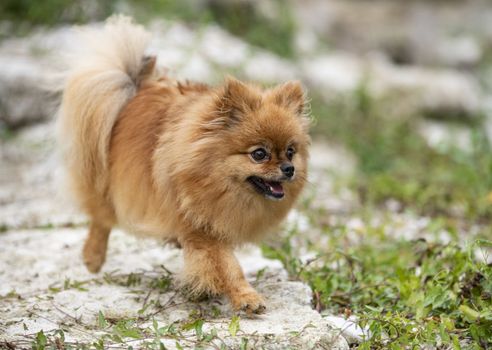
(290,153)
(259,154)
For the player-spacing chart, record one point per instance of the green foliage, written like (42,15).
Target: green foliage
(5,135)
(53,11)
(101,321)
(234,325)
(408,294)
(126,329)
(404,293)
(244,344)
(162,283)
(69,284)
(241,18)
(394,161)
(184,10)
(40,341)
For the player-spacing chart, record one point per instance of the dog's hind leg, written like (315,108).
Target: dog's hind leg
(95,247)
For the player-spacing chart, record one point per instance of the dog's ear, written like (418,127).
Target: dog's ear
(236,100)
(290,96)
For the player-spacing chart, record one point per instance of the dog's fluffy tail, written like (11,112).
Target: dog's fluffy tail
(102,75)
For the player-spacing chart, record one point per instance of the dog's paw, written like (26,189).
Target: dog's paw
(249,302)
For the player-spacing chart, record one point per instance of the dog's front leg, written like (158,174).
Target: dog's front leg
(211,267)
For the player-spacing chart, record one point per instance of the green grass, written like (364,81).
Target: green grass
(6,134)
(243,19)
(405,293)
(395,162)
(50,12)
(132,334)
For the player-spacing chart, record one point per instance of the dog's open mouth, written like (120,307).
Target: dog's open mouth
(270,189)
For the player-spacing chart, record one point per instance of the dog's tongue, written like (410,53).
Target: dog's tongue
(275,187)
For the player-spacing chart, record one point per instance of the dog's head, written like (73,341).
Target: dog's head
(238,159)
(262,135)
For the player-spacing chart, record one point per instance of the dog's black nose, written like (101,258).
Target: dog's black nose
(287,169)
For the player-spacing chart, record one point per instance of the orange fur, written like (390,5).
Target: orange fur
(173,160)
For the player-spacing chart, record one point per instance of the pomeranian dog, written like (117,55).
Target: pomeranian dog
(209,168)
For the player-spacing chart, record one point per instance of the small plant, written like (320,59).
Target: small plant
(234,325)
(404,293)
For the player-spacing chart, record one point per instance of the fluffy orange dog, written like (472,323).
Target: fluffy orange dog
(207,167)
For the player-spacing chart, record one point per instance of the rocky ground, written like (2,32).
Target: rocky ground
(45,292)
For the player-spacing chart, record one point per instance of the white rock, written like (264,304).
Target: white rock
(305,41)
(445,137)
(222,48)
(23,98)
(298,221)
(196,68)
(349,328)
(333,74)
(33,261)
(419,32)
(432,90)
(172,34)
(170,59)
(461,51)
(419,89)
(267,67)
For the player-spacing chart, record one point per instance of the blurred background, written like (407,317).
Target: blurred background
(401,98)
(402,86)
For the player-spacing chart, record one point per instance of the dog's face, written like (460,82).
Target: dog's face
(239,161)
(264,140)
(276,168)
